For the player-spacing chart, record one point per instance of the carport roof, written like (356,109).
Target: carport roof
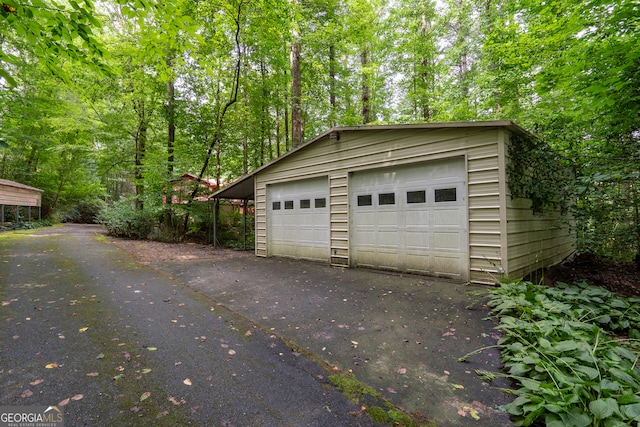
(8,183)
(243,187)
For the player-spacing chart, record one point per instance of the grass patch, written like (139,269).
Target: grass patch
(376,407)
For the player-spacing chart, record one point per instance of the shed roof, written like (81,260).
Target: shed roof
(8,183)
(243,187)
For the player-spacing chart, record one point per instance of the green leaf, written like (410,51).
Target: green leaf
(591,373)
(519,369)
(566,345)
(576,418)
(632,411)
(623,376)
(603,408)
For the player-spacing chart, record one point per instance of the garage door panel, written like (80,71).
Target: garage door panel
(388,259)
(386,218)
(416,218)
(412,218)
(450,241)
(418,240)
(418,262)
(447,217)
(443,265)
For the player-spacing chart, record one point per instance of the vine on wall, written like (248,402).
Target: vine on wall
(536,172)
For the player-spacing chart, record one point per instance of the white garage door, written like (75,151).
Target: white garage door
(411,218)
(298,219)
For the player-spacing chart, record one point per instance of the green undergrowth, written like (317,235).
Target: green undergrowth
(572,350)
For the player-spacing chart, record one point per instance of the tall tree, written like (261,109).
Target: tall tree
(296,82)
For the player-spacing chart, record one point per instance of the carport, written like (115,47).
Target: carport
(17,195)
(242,189)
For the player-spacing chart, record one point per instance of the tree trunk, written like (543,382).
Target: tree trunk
(426,61)
(332,84)
(366,102)
(296,93)
(141,146)
(171,126)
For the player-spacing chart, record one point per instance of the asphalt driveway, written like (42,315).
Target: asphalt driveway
(115,343)
(232,341)
(400,334)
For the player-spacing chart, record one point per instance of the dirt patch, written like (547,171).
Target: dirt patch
(149,251)
(619,277)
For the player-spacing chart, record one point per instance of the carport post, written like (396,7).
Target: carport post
(29,213)
(1,215)
(17,214)
(215,224)
(244,224)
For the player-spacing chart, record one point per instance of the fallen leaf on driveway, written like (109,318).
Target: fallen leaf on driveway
(145,396)
(26,393)
(401,370)
(83,329)
(64,402)
(93,374)
(36,382)
(162,414)
(151,348)
(176,401)
(52,366)
(78,397)
(232,352)
(100,356)
(187,381)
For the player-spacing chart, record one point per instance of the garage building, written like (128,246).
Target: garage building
(427,198)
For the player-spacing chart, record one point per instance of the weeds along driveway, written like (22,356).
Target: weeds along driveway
(400,334)
(114,343)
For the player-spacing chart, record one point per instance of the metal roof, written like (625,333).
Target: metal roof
(8,183)
(243,187)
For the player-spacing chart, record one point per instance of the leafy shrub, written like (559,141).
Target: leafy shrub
(123,220)
(29,225)
(84,212)
(561,346)
(231,230)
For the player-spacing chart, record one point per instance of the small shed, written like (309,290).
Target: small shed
(17,195)
(428,198)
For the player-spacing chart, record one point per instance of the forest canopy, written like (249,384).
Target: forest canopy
(115,99)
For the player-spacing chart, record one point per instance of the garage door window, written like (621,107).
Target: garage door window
(445,195)
(416,196)
(305,204)
(386,199)
(288,204)
(365,200)
(275,206)
(321,203)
